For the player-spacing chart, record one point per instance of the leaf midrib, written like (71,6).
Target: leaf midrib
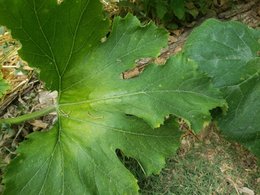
(59,74)
(96,101)
(118,130)
(240,83)
(74,38)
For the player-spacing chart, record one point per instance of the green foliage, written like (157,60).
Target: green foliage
(167,11)
(98,111)
(229,53)
(3,85)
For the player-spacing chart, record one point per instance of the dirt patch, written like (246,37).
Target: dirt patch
(212,165)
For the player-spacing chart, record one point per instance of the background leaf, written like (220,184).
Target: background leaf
(178,8)
(227,51)
(3,85)
(231,58)
(242,121)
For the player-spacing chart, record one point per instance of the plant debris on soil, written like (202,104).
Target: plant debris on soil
(205,164)
(209,166)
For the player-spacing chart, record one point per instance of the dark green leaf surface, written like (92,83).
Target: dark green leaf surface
(3,85)
(54,36)
(98,111)
(242,121)
(178,7)
(228,51)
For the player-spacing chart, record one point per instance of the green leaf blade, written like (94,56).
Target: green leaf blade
(174,88)
(224,50)
(78,154)
(53,35)
(178,7)
(74,160)
(232,60)
(242,121)
(128,42)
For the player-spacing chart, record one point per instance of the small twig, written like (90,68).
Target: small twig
(239,9)
(17,134)
(103,1)
(21,84)
(234,185)
(7,67)
(11,152)
(184,126)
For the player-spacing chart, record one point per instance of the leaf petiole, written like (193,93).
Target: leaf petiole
(28,116)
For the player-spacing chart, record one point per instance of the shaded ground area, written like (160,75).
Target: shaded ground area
(205,164)
(210,166)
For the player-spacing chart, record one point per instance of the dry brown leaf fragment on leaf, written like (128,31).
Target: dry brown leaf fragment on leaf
(131,73)
(160,61)
(140,65)
(177,50)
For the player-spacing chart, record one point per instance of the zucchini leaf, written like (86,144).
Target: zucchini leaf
(229,53)
(98,111)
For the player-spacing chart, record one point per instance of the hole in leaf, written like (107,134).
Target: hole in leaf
(131,164)
(216,112)
(59,2)
(138,69)
(129,115)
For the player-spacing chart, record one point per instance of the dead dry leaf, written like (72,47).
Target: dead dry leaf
(47,98)
(39,124)
(246,191)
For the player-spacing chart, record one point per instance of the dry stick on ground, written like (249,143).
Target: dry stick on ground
(237,10)
(23,88)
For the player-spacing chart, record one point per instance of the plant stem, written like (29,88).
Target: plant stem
(29,116)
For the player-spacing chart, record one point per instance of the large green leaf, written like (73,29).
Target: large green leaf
(228,51)
(54,37)
(80,158)
(98,111)
(242,121)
